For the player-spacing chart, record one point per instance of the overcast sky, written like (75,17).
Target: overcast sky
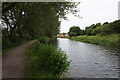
(92,11)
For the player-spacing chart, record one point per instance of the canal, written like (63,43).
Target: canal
(89,60)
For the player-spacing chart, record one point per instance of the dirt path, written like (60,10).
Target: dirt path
(13,62)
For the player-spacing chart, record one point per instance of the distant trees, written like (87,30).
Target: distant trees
(105,23)
(104,29)
(74,31)
(116,26)
(83,32)
(90,30)
(97,30)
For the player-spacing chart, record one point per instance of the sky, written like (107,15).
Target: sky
(92,12)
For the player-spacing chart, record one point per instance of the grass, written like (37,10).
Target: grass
(0,46)
(44,61)
(8,47)
(48,40)
(63,37)
(110,41)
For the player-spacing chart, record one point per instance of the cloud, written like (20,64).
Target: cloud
(92,11)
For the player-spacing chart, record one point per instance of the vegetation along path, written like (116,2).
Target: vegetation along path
(13,62)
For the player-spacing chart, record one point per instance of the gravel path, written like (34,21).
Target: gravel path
(14,62)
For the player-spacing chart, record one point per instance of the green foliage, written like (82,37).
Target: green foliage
(6,44)
(44,40)
(89,31)
(116,26)
(108,40)
(47,40)
(111,28)
(72,34)
(97,30)
(35,19)
(44,61)
(105,23)
(82,32)
(30,20)
(105,29)
(74,31)
(0,45)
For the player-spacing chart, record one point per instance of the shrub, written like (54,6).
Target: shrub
(6,43)
(43,40)
(96,30)
(72,34)
(47,40)
(44,61)
(108,40)
(89,31)
(106,29)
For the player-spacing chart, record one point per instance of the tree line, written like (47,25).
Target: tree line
(30,20)
(97,29)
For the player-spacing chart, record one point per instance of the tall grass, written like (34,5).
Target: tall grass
(108,40)
(6,44)
(47,40)
(44,61)
(0,46)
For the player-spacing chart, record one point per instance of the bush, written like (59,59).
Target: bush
(44,40)
(108,40)
(106,29)
(5,43)
(89,31)
(72,34)
(44,61)
(47,40)
(96,30)
(116,26)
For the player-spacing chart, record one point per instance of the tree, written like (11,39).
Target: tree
(42,16)
(82,32)
(72,34)
(106,29)
(88,30)
(97,30)
(74,30)
(116,26)
(32,20)
(105,23)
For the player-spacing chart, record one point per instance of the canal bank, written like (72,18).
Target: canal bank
(88,60)
(109,41)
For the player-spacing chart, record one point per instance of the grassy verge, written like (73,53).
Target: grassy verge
(44,61)
(8,47)
(110,41)
(64,37)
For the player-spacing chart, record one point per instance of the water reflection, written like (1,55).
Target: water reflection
(88,60)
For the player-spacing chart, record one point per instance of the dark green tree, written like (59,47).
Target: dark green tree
(74,30)
(105,23)
(30,20)
(82,32)
(88,31)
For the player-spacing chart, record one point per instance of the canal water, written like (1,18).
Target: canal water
(89,60)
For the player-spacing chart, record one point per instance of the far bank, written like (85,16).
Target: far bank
(110,41)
